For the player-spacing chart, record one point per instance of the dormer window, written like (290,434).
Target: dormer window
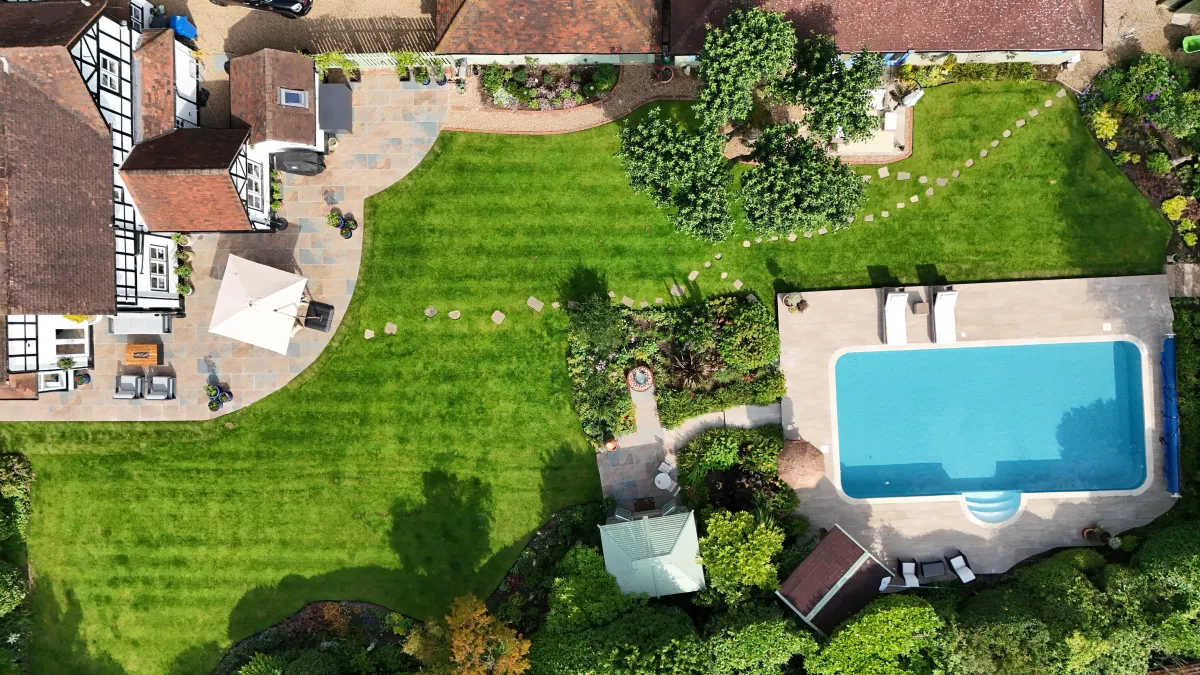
(293,98)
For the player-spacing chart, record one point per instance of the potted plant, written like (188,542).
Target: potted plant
(439,74)
(404,64)
(185,257)
(346,233)
(795,303)
(184,271)
(211,390)
(225,396)
(1096,534)
(664,74)
(66,363)
(214,404)
(82,378)
(181,239)
(335,219)
(331,144)
(421,74)
(184,287)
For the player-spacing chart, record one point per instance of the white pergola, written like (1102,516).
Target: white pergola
(258,304)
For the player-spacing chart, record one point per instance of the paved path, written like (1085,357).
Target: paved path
(635,89)
(394,128)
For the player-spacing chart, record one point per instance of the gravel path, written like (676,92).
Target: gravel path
(1130,27)
(635,89)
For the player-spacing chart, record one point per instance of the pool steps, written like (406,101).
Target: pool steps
(993,507)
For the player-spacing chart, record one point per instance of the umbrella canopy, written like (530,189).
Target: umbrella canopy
(801,465)
(257,304)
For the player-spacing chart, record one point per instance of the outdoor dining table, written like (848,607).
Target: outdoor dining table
(662,481)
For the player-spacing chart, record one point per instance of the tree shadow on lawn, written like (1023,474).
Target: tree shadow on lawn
(443,547)
(58,628)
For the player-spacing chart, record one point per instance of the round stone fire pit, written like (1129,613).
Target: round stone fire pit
(640,379)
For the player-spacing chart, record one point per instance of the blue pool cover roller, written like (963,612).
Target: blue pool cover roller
(1170,417)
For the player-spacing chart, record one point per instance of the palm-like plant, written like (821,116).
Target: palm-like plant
(691,370)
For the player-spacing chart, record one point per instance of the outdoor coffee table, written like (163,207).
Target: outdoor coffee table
(141,355)
(662,481)
(933,569)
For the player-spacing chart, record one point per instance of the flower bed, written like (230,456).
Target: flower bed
(534,87)
(706,357)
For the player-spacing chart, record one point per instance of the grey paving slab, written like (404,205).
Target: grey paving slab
(497,317)
(390,328)
(1020,123)
(883,172)
(627,301)
(903,175)
(454,314)
(535,304)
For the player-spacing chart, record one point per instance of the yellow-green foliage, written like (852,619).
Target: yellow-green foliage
(1104,124)
(1173,207)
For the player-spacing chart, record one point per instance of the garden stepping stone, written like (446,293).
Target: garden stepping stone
(903,175)
(923,179)
(643,304)
(792,236)
(929,192)
(758,240)
(995,143)
(885,214)
(914,199)
(535,304)
(1049,103)
(390,328)
(555,305)
(1006,133)
(737,283)
(850,220)
(969,163)
(627,301)
(724,275)
(368,334)
(955,174)
(693,275)
(1033,112)
(883,172)
(454,314)
(899,205)
(658,301)
(808,235)
(497,317)
(774,237)
(430,312)
(823,231)
(746,244)
(612,294)
(717,256)
(983,153)
(941,182)
(1060,93)
(866,178)
(571,304)
(677,290)
(869,218)
(1020,123)
(708,263)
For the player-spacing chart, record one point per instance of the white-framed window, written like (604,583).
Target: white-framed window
(109,73)
(158,267)
(254,185)
(295,98)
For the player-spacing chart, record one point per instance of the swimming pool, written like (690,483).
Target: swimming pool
(1061,417)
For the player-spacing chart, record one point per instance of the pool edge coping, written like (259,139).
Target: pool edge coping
(1149,423)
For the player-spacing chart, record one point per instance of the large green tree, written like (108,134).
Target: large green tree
(584,593)
(796,185)
(755,45)
(835,93)
(649,640)
(894,635)
(683,170)
(756,639)
(736,552)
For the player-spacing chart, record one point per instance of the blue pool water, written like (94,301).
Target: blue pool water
(1030,418)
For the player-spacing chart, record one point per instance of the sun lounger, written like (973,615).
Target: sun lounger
(895,326)
(958,563)
(944,328)
(908,568)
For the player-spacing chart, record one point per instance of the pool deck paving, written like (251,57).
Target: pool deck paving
(1034,311)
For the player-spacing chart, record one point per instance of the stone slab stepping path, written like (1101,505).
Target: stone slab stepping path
(923,180)
(1060,93)
(942,182)
(929,192)
(774,237)
(627,301)
(995,143)
(724,275)
(693,275)
(1049,103)
(497,317)
(1006,133)
(707,264)
(1033,112)
(390,328)
(555,305)
(823,231)
(746,243)
(643,304)
(883,172)
(535,304)
(955,173)
(869,218)
(368,334)
(969,163)
(612,294)
(914,199)
(430,312)
(903,175)
(792,236)
(454,314)
(717,256)
(658,301)
(885,214)
(678,291)
(807,235)
(983,153)
(1021,123)
(738,284)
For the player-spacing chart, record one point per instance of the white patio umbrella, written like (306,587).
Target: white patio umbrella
(257,304)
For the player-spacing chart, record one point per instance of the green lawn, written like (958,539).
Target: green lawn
(409,469)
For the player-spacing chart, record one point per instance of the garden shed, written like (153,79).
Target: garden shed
(654,555)
(837,579)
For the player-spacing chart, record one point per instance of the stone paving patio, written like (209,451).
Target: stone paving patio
(394,128)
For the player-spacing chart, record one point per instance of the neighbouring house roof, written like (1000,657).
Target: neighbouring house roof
(154,60)
(656,556)
(181,181)
(919,25)
(47,23)
(1186,669)
(836,580)
(56,163)
(547,27)
(255,80)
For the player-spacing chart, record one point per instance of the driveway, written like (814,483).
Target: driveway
(360,27)
(1130,28)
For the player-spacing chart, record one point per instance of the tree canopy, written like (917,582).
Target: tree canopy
(468,641)
(889,637)
(756,640)
(797,186)
(835,94)
(736,552)
(754,45)
(584,593)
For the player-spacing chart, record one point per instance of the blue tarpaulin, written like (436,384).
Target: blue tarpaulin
(1170,417)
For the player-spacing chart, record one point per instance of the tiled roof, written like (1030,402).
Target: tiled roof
(181,181)
(1186,669)
(254,97)
(45,24)
(836,580)
(155,60)
(57,163)
(920,25)
(548,27)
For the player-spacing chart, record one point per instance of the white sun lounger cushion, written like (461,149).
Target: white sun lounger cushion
(964,573)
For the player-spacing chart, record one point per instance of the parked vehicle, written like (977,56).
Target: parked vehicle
(292,9)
